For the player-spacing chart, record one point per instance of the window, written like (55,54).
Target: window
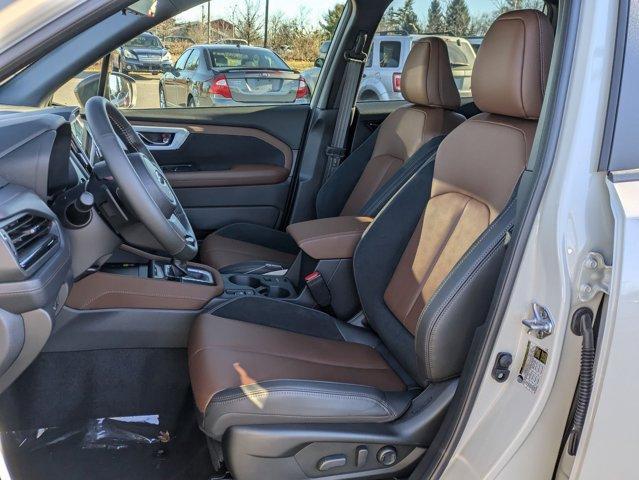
(192,62)
(390,54)
(238,59)
(181,63)
(462,24)
(223,56)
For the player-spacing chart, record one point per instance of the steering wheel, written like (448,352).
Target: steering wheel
(140,179)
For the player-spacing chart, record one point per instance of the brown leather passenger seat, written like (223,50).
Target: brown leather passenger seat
(427,82)
(426,271)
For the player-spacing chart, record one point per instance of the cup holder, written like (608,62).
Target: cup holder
(245,281)
(278,292)
(260,285)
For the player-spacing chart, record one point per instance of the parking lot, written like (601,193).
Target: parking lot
(147,90)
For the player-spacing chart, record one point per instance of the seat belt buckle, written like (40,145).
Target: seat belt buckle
(318,288)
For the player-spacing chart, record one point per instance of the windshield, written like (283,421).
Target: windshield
(234,57)
(144,41)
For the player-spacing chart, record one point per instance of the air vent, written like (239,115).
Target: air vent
(31,238)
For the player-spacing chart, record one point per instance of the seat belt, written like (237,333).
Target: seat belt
(336,151)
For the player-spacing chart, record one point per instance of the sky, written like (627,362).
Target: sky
(315,9)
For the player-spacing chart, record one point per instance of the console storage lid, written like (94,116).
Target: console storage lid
(328,238)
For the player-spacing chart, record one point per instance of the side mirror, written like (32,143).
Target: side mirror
(120,89)
(319,63)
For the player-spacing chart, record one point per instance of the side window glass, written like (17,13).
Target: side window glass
(249,52)
(462,24)
(390,54)
(181,63)
(192,62)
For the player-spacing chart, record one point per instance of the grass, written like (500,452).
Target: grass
(300,65)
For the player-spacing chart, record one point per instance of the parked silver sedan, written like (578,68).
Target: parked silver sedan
(224,75)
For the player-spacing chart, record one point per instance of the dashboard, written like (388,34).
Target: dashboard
(46,156)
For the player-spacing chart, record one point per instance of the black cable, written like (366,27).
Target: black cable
(582,325)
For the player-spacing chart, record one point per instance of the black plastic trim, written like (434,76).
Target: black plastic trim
(612,114)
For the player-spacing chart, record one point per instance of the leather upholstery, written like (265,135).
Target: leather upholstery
(427,78)
(220,252)
(240,369)
(511,69)
(425,269)
(428,82)
(100,291)
(248,244)
(449,226)
(476,170)
(234,176)
(328,238)
(400,136)
(447,324)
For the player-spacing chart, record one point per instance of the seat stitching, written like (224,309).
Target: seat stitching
(523,134)
(310,394)
(292,357)
(441,249)
(468,252)
(138,294)
(391,188)
(463,283)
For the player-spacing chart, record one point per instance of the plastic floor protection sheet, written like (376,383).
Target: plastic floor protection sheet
(113,448)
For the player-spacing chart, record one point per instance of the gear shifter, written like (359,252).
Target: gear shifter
(178,269)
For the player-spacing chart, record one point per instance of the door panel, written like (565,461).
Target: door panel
(227,165)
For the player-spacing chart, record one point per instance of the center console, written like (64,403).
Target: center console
(243,285)
(322,275)
(234,285)
(222,287)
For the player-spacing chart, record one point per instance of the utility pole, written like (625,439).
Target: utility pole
(208,22)
(266,26)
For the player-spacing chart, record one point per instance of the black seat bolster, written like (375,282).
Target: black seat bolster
(280,314)
(448,322)
(426,153)
(307,321)
(377,256)
(302,401)
(333,195)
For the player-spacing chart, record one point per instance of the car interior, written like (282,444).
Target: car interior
(185,293)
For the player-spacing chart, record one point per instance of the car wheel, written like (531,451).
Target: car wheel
(368,96)
(162,98)
(190,102)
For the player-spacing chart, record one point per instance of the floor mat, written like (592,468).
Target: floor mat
(140,447)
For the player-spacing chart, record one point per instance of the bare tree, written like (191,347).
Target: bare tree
(249,24)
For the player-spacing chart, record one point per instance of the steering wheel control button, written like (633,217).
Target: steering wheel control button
(387,456)
(331,462)
(361,455)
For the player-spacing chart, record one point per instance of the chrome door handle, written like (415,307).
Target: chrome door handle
(163,143)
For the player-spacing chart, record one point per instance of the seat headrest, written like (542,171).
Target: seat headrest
(512,65)
(427,79)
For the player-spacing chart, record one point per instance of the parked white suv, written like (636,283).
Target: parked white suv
(381,80)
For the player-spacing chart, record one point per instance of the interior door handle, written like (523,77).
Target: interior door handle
(166,140)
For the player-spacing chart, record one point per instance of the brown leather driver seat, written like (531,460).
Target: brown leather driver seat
(296,393)
(371,174)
